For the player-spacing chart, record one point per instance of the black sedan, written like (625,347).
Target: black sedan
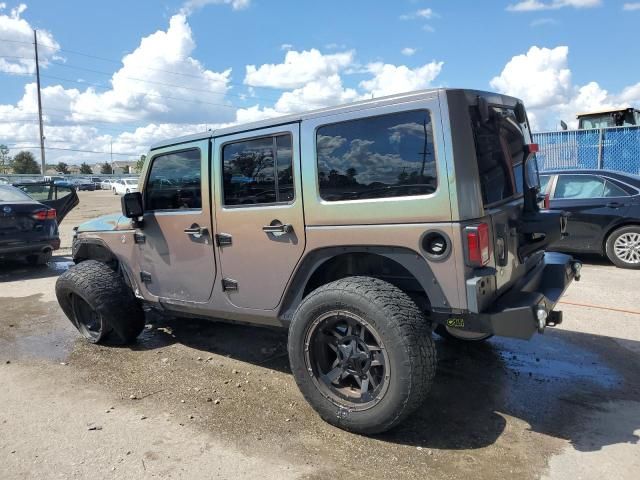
(29,218)
(604,210)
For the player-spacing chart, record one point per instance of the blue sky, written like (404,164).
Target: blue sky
(239,60)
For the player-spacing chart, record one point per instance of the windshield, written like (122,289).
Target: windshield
(500,149)
(12,194)
(131,182)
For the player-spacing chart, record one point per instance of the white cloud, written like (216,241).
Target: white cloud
(542,79)
(424,13)
(286,46)
(389,79)
(536,5)
(631,7)
(298,69)
(16,52)
(408,51)
(191,5)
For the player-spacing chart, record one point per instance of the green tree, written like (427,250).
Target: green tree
(140,163)
(63,168)
(24,162)
(85,169)
(5,159)
(106,169)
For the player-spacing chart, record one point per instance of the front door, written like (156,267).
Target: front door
(259,213)
(175,240)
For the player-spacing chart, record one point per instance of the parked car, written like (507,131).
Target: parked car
(28,225)
(4,181)
(360,228)
(604,209)
(125,185)
(84,184)
(106,184)
(96,182)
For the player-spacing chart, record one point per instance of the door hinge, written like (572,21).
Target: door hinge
(145,277)
(229,285)
(223,239)
(139,237)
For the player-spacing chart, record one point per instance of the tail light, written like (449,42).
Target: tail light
(49,214)
(533,148)
(546,202)
(478,245)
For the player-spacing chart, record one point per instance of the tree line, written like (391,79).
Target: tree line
(24,163)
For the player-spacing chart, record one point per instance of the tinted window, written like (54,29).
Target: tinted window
(544,181)
(386,156)
(613,190)
(258,171)
(174,182)
(579,187)
(500,151)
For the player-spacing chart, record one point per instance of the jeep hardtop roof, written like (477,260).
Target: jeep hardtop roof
(297,117)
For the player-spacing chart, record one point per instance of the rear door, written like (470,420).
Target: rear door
(259,213)
(595,204)
(62,198)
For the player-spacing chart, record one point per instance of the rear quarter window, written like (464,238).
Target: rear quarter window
(377,157)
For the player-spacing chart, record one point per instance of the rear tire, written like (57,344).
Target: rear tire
(39,259)
(99,303)
(362,354)
(623,247)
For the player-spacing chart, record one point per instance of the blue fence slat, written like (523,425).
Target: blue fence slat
(610,148)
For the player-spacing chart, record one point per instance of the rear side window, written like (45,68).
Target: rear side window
(174,181)
(258,171)
(386,156)
(578,187)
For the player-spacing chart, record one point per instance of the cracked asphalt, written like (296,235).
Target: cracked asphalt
(198,399)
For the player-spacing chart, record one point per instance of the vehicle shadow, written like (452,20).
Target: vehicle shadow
(557,383)
(15,270)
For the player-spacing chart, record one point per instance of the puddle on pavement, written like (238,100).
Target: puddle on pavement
(60,265)
(33,329)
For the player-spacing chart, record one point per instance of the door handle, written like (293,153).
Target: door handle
(615,204)
(280,228)
(196,231)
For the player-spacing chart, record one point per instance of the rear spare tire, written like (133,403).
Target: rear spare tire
(99,303)
(362,354)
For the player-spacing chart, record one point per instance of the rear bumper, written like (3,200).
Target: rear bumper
(28,248)
(528,306)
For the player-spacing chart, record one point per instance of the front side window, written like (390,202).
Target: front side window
(578,187)
(174,181)
(386,156)
(258,171)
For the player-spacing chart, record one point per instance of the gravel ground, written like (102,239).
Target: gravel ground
(197,399)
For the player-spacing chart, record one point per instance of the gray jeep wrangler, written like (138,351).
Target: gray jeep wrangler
(360,228)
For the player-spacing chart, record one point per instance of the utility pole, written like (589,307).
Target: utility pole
(35,44)
(111,157)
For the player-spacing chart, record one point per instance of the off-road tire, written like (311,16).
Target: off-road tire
(610,246)
(39,259)
(444,333)
(404,331)
(120,316)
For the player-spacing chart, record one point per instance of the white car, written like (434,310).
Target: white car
(125,185)
(106,184)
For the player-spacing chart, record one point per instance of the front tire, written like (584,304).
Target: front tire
(623,247)
(99,303)
(362,354)
(39,259)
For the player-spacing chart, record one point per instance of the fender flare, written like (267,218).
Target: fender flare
(411,260)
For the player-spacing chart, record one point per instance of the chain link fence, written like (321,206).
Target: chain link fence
(608,148)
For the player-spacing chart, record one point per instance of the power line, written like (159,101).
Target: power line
(31,147)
